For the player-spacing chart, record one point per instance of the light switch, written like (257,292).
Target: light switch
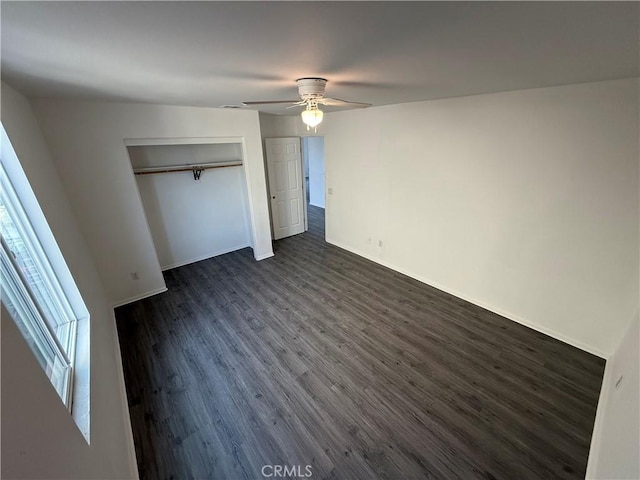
(330,191)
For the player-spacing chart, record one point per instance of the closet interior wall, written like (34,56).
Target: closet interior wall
(192,219)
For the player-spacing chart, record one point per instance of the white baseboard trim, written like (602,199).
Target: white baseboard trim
(507,315)
(596,435)
(140,297)
(204,257)
(131,449)
(263,256)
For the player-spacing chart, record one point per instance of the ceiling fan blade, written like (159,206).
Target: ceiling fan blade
(269,102)
(301,103)
(336,102)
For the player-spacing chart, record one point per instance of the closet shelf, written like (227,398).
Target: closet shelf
(186,167)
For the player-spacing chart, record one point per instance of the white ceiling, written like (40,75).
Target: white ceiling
(215,53)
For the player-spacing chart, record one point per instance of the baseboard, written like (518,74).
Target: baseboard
(262,257)
(570,341)
(204,257)
(603,400)
(140,297)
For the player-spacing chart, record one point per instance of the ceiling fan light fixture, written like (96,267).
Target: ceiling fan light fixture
(312,117)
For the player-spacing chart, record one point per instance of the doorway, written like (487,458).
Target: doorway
(286,186)
(313,155)
(296,181)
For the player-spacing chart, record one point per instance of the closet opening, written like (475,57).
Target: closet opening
(195,198)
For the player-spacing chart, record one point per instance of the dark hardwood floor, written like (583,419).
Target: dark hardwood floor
(319,357)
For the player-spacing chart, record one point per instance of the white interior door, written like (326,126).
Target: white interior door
(284,166)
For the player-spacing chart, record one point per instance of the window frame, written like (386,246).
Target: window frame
(32,317)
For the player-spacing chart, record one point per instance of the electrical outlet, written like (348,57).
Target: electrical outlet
(380,243)
(135,276)
(330,191)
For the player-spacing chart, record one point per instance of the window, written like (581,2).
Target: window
(32,293)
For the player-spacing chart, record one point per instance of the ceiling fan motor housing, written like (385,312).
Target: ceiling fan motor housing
(311,87)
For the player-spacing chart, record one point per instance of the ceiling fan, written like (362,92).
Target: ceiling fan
(312,94)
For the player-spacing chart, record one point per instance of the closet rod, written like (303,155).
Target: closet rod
(184,168)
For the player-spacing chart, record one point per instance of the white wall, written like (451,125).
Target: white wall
(280,125)
(523,202)
(305,158)
(289,125)
(315,149)
(615,448)
(39,437)
(87,143)
(189,219)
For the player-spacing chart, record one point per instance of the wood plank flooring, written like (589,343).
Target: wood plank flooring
(317,357)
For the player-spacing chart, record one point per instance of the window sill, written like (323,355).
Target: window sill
(81,388)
